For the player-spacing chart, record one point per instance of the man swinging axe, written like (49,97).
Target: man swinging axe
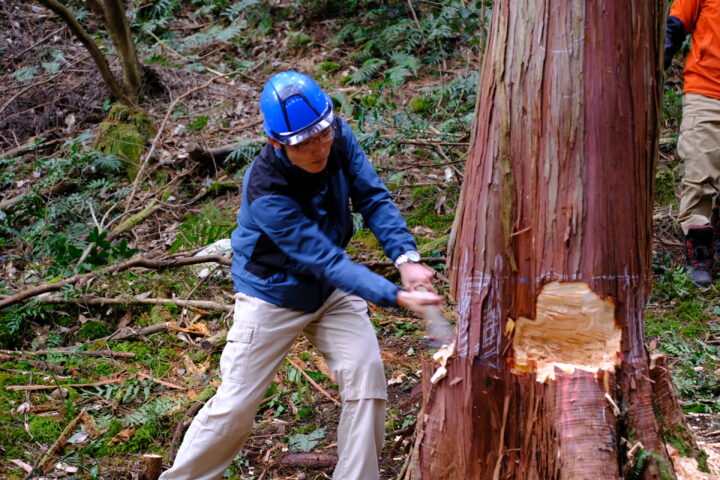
(292,276)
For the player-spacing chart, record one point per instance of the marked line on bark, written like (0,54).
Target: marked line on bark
(574,329)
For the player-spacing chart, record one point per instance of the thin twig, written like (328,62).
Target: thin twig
(412,10)
(312,382)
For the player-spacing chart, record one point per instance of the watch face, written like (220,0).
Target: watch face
(413,256)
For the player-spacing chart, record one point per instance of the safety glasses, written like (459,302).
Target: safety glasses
(325,136)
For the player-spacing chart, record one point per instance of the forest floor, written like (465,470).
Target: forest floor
(63,201)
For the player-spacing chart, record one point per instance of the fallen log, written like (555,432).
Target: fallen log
(46,461)
(93,300)
(135,262)
(67,351)
(308,459)
(29,388)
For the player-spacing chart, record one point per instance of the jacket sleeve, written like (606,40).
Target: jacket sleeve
(372,199)
(282,219)
(680,23)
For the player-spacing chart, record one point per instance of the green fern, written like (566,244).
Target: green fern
(360,55)
(369,68)
(150,412)
(244,153)
(227,34)
(406,65)
(163,8)
(210,225)
(237,9)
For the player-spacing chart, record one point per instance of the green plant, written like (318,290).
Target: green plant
(198,123)
(386,36)
(641,461)
(150,412)
(44,429)
(56,226)
(304,442)
(207,227)
(15,319)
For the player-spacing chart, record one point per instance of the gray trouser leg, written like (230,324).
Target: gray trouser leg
(347,340)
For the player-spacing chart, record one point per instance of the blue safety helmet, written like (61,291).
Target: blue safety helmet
(294,108)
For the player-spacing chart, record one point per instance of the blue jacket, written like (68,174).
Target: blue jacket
(293,226)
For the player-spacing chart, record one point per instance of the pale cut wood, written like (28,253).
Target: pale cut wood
(152,467)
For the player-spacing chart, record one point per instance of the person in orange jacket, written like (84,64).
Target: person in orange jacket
(699,141)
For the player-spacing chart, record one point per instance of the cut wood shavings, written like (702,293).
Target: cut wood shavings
(440,358)
(574,329)
(687,468)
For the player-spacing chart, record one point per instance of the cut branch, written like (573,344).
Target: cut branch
(309,459)
(39,364)
(27,388)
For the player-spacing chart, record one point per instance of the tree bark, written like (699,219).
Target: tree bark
(550,378)
(117,25)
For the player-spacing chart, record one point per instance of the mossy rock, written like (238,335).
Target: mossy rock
(125,134)
(665,187)
(92,330)
(421,105)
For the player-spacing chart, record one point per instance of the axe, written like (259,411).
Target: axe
(439,330)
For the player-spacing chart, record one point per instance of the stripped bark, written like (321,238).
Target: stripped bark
(551,262)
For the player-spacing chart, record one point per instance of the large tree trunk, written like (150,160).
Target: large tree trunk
(551,265)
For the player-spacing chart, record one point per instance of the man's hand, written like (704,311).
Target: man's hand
(417,301)
(414,275)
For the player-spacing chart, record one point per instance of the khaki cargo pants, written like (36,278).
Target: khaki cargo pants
(699,148)
(258,341)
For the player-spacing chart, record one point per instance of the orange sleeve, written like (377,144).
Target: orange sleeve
(687,12)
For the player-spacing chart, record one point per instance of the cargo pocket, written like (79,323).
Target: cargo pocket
(236,355)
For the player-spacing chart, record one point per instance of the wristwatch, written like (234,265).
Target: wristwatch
(410,256)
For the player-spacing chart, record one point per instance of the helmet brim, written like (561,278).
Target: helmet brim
(294,138)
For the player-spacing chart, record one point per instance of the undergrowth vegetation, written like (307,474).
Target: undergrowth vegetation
(404,74)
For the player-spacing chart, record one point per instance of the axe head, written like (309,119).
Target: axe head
(439,330)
